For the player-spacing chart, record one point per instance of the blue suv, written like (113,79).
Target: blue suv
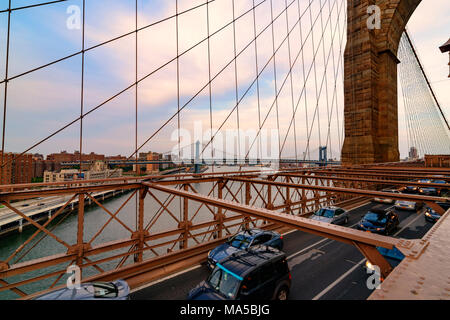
(258,273)
(243,240)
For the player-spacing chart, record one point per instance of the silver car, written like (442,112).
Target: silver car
(386,200)
(406,205)
(333,215)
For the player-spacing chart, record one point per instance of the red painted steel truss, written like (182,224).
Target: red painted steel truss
(177,224)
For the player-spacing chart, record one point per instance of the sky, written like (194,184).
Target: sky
(44,101)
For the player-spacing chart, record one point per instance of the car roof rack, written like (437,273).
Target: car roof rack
(238,256)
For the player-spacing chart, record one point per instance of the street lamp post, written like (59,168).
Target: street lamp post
(446,48)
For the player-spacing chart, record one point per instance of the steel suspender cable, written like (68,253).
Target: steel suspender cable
(140,80)
(306,152)
(254,81)
(411,44)
(292,84)
(314,55)
(425,121)
(290,70)
(275,78)
(5,94)
(257,80)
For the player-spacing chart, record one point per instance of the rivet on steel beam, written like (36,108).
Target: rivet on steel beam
(4,266)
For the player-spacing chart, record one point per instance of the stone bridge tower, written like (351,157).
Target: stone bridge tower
(370,79)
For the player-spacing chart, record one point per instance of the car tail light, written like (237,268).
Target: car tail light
(281,237)
(290,276)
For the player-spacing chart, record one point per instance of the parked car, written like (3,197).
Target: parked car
(408,205)
(243,240)
(379,221)
(332,215)
(386,200)
(431,215)
(116,290)
(258,273)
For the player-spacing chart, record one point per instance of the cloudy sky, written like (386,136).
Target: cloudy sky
(45,100)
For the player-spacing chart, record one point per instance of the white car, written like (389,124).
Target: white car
(333,215)
(386,200)
(406,205)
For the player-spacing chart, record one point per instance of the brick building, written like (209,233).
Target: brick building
(65,156)
(5,172)
(40,166)
(152,167)
(17,169)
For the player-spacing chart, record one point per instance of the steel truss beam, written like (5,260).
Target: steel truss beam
(376,181)
(365,242)
(361,192)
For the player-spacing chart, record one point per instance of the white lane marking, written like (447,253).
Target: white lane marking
(166,278)
(331,286)
(307,248)
(312,254)
(406,226)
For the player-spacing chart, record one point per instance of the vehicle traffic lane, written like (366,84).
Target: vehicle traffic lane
(177,287)
(353,286)
(314,270)
(341,274)
(174,288)
(315,263)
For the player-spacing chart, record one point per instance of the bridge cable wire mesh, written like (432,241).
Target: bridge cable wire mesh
(427,128)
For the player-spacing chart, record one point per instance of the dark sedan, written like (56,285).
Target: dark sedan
(379,221)
(410,190)
(243,240)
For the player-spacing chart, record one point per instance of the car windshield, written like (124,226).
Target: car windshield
(105,290)
(439,181)
(240,241)
(375,218)
(224,282)
(327,213)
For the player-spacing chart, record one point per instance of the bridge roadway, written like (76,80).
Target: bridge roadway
(321,268)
